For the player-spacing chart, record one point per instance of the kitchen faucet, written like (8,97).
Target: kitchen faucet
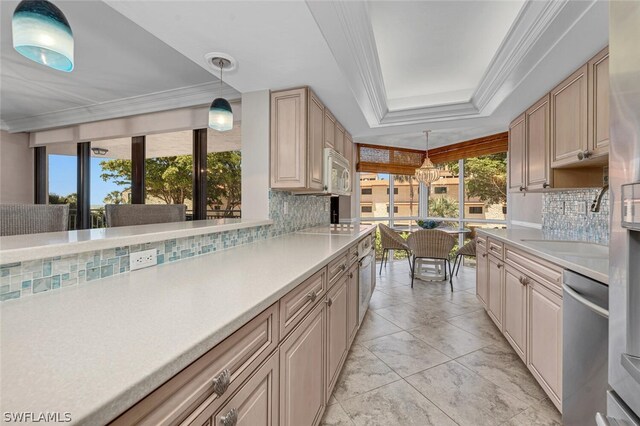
(595,206)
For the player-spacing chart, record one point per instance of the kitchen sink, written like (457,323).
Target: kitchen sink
(570,248)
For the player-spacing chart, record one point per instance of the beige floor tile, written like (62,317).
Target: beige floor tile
(543,413)
(405,353)
(408,316)
(449,339)
(362,372)
(373,325)
(380,300)
(479,323)
(505,369)
(335,415)
(465,396)
(395,404)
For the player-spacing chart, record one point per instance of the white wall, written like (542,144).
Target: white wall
(525,210)
(16,168)
(255,154)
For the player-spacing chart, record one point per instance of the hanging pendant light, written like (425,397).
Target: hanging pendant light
(42,33)
(220,113)
(427,173)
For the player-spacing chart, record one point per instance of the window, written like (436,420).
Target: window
(375,205)
(395,209)
(224,173)
(475,210)
(366,191)
(444,200)
(62,166)
(366,209)
(439,189)
(504,209)
(395,191)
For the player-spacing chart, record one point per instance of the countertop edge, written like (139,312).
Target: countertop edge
(593,274)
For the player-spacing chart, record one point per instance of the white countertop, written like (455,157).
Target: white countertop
(18,248)
(95,349)
(588,259)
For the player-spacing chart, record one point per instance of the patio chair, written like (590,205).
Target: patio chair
(143,214)
(431,244)
(20,219)
(391,240)
(468,249)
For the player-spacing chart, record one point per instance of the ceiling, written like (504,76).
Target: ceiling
(386,69)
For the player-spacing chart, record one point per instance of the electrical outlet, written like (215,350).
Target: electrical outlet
(143,259)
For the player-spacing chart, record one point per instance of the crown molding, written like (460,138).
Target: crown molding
(159,101)
(346,26)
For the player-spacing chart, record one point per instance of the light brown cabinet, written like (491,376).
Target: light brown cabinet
(598,132)
(348,150)
(545,339)
(537,168)
(515,309)
(297,140)
(337,330)
(329,130)
(517,148)
(496,289)
(482,276)
(302,371)
(339,138)
(353,302)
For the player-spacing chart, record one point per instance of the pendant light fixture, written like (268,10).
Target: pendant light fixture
(220,113)
(427,173)
(42,33)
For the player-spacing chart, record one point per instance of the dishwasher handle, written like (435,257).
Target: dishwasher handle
(590,305)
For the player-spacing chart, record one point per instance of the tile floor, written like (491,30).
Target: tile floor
(426,356)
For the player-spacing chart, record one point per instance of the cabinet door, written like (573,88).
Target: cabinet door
(482,277)
(329,130)
(353,299)
(337,333)
(256,403)
(537,165)
(302,372)
(496,290)
(545,339)
(599,103)
(569,119)
(289,138)
(339,138)
(515,310)
(316,143)
(517,140)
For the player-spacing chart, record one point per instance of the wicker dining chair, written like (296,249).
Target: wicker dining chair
(21,219)
(143,214)
(468,249)
(391,240)
(431,244)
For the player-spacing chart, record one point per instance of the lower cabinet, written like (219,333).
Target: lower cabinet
(496,292)
(337,337)
(482,277)
(302,372)
(353,302)
(545,339)
(515,310)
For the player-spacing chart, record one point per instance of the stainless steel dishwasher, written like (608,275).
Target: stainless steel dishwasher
(585,346)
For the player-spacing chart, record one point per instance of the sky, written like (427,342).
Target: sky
(62,178)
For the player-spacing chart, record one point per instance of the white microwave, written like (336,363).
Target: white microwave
(337,173)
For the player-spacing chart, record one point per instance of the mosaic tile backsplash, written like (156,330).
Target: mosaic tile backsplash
(34,276)
(567,215)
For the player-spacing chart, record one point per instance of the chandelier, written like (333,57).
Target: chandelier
(427,173)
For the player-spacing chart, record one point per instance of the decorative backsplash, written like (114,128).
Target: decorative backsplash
(567,215)
(34,276)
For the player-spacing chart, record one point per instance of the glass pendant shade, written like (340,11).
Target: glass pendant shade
(427,173)
(42,33)
(220,115)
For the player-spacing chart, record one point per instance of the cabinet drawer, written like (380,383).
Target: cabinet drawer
(255,404)
(481,242)
(535,267)
(337,267)
(299,301)
(211,379)
(496,247)
(353,254)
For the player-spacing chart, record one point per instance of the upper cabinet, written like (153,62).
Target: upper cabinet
(297,140)
(339,139)
(329,130)
(562,141)
(569,119)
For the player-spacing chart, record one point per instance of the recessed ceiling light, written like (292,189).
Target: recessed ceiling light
(213,60)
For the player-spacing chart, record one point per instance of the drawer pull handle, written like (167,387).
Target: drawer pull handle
(230,419)
(221,382)
(351,275)
(499,265)
(312,296)
(329,302)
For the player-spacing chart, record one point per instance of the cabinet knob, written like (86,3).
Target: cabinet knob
(230,419)
(329,302)
(221,382)
(583,155)
(343,267)
(484,254)
(351,275)
(312,296)
(499,265)
(522,188)
(545,185)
